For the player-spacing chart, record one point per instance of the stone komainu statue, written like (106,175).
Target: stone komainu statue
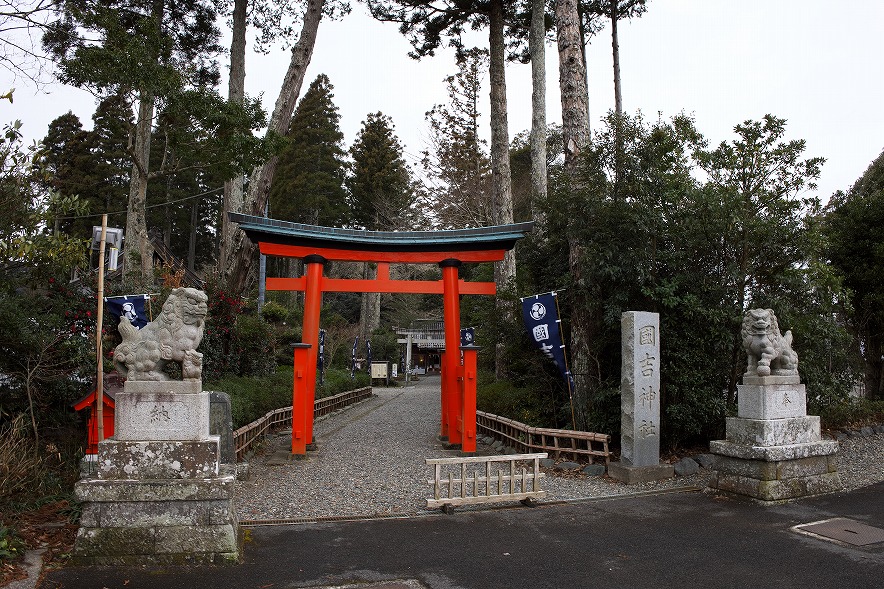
(769,351)
(172,337)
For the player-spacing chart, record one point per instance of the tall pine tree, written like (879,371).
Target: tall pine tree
(309,183)
(380,184)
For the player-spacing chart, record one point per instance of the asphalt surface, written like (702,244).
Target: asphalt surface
(676,540)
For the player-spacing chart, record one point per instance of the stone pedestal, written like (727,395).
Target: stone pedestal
(640,401)
(773,450)
(159,494)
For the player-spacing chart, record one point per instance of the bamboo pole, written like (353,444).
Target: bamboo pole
(99,353)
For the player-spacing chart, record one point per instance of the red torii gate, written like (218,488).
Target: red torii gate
(316,245)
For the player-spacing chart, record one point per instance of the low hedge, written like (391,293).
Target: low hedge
(252,397)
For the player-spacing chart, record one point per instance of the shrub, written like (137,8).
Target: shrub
(22,468)
(253,397)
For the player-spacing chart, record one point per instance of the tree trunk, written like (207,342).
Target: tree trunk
(575,135)
(138,249)
(240,269)
(501,179)
(233,188)
(537,48)
(572,76)
(370,313)
(191,242)
(615,48)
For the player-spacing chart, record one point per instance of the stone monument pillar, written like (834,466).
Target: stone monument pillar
(773,449)
(640,401)
(160,494)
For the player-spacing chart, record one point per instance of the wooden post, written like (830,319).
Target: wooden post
(99,353)
(451,360)
(300,397)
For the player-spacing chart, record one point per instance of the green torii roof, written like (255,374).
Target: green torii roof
(498,237)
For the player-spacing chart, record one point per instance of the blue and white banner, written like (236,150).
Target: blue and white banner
(368,354)
(468,336)
(353,358)
(541,316)
(320,358)
(130,306)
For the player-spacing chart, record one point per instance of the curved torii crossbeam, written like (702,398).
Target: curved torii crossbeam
(316,245)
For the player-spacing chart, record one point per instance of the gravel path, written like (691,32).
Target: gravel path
(370,462)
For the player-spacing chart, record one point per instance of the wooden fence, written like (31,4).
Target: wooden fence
(250,434)
(464,485)
(540,439)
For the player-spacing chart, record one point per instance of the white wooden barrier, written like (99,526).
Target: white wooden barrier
(478,483)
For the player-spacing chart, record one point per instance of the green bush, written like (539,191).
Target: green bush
(852,413)
(253,397)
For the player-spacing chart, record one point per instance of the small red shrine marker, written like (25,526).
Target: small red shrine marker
(316,245)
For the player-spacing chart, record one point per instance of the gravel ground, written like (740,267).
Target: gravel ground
(370,462)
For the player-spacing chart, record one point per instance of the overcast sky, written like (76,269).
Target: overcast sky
(812,62)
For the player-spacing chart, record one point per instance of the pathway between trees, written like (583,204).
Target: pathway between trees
(370,462)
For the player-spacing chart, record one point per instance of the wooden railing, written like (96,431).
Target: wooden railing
(254,432)
(477,483)
(533,439)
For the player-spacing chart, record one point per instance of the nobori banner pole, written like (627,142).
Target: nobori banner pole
(451,360)
(99,320)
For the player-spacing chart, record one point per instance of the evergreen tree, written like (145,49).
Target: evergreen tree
(161,52)
(458,164)
(309,183)
(380,183)
(853,225)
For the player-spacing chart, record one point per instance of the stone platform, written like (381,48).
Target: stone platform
(160,494)
(773,450)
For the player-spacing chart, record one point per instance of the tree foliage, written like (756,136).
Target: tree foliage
(856,249)
(457,162)
(379,184)
(698,235)
(309,184)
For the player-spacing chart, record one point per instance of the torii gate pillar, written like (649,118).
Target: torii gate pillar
(452,426)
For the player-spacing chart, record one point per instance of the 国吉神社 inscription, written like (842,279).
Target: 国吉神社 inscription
(640,400)
(773,450)
(160,494)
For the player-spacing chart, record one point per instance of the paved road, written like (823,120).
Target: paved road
(674,540)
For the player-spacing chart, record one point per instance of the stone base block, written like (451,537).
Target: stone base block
(632,475)
(777,490)
(809,470)
(773,453)
(157,522)
(773,432)
(161,415)
(177,387)
(771,401)
(157,460)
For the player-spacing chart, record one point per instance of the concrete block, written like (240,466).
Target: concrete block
(157,460)
(189,539)
(774,453)
(114,541)
(162,416)
(771,401)
(632,475)
(98,490)
(178,387)
(221,425)
(773,432)
(165,513)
